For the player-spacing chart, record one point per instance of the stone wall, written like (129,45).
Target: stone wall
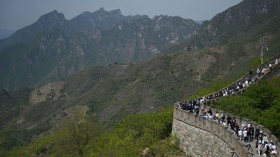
(200,137)
(198,142)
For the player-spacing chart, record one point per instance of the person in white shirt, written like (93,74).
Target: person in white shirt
(264,139)
(249,125)
(273,148)
(260,149)
(245,135)
(276,61)
(240,134)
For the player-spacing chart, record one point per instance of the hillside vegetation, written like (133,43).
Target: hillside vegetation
(109,93)
(81,135)
(119,109)
(260,103)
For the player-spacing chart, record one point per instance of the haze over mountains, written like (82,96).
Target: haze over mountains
(54,47)
(143,64)
(5,33)
(233,23)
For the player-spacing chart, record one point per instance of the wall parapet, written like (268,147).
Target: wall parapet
(221,131)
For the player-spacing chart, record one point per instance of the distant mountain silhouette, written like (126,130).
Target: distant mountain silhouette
(54,47)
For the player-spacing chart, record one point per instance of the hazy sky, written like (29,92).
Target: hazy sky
(15,14)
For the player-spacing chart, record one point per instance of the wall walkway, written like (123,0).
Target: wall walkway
(200,137)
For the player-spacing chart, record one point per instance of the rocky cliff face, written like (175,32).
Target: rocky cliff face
(54,47)
(233,23)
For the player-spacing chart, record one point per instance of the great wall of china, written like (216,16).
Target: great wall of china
(201,137)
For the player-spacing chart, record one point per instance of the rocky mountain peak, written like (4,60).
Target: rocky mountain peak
(98,38)
(49,21)
(103,13)
(116,12)
(101,10)
(52,16)
(234,22)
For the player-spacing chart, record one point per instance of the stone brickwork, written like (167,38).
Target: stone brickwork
(199,137)
(198,142)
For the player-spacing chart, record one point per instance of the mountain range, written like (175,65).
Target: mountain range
(143,64)
(235,22)
(53,47)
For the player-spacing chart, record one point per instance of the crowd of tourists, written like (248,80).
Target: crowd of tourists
(245,132)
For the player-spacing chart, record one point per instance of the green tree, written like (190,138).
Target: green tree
(270,117)
(238,105)
(135,133)
(260,103)
(263,93)
(76,133)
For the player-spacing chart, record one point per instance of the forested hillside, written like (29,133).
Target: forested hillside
(150,134)
(96,105)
